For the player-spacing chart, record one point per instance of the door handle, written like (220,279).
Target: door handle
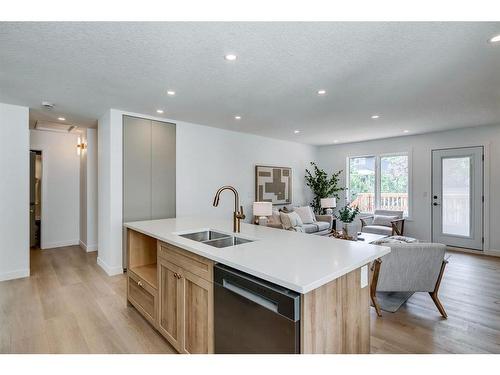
(435,204)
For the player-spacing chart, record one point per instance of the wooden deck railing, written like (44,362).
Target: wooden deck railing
(388,201)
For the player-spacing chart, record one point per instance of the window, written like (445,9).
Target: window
(379,182)
(362,183)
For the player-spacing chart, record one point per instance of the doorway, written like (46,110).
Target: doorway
(35,198)
(457,197)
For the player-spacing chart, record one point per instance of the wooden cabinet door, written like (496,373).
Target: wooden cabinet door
(171,303)
(198,323)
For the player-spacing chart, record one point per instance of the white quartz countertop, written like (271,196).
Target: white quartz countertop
(298,261)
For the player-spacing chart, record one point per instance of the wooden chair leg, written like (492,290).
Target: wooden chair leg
(373,286)
(434,294)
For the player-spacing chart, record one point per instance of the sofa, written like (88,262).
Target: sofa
(309,222)
(411,266)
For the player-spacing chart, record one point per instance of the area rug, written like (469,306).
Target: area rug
(392,301)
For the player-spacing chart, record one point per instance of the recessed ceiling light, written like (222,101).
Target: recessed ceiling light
(406,131)
(336,141)
(321,92)
(296,131)
(61,119)
(160,111)
(230,57)
(495,39)
(237,117)
(171,92)
(375,117)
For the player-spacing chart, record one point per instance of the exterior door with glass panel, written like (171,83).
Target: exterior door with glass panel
(457,197)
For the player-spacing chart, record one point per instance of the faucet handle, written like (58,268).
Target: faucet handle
(241,214)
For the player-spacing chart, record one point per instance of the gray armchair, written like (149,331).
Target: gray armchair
(385,222)
(410,267)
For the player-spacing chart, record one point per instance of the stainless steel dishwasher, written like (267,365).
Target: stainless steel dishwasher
(254,316)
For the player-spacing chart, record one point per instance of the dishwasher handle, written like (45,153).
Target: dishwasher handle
(278,299)
(245,293)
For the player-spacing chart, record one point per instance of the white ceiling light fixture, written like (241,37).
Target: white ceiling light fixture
(406,131)
(61,119)
(171,92)
(237,117)
(495,39)
(336,141)
(160,111)
(321,92)
(296,131)
(230,57)
(47,105)
(374,117)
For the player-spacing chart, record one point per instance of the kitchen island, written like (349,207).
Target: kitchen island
(171,277)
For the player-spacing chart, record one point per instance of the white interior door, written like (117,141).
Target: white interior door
(457,197)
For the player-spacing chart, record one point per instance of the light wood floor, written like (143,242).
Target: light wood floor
(69,305)
(470,293)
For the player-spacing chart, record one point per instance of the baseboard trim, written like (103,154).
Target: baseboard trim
(11,275)
(111,271)
(492,252)
(88,248)
(54,245)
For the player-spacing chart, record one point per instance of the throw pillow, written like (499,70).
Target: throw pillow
(275,217)
(305,213)
(290,220)
(383,220)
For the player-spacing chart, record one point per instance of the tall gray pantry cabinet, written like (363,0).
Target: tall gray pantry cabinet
(148,171)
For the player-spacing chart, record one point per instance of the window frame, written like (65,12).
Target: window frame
(378,178)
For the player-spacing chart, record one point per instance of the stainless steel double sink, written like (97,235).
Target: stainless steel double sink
(215,239)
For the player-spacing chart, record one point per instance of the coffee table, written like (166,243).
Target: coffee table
(370,237)
(363,237)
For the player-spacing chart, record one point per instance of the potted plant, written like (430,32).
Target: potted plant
(322,186)
(347,215)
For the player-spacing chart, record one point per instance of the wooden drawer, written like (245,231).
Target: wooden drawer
(193,263)
(143,297)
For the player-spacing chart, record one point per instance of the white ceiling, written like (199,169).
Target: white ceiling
(421,77)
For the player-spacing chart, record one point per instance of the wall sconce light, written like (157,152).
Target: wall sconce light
(80,146)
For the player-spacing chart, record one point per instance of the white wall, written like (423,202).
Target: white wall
(333,158)
(83,196)
(88,192)
(60,187)
(14,190)
(207,158)
(110,192)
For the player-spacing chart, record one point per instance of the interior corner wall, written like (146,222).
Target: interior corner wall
(83,196)
(14,190)
(92,222)
(109,181)
(60,217)
(88,192)
(333,158)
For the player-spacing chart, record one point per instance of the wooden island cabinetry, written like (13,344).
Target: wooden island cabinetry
(173,289)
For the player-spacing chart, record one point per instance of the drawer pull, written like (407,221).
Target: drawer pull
(139,283)
(177,276)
